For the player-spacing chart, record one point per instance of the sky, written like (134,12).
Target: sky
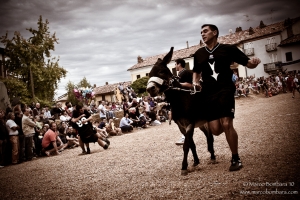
(101,39)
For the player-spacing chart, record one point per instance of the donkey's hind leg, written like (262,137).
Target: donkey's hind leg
(210,141)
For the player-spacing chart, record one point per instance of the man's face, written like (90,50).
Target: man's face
(207,34)
(53,127)
(27,111)
(37,105)
(177,65)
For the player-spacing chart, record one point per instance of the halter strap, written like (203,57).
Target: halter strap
(156,80)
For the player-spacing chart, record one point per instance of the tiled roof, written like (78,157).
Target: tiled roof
(108,88)
(233,38)
(63,97)
(290,40)
(182,53)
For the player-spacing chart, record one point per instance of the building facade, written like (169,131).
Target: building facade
(277,45)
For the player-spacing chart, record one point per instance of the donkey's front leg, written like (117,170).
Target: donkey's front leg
(186,148)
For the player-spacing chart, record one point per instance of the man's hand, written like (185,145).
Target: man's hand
(253,62)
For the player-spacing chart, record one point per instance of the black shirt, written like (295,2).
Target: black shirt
(185,76)
(218,59)
(84,129)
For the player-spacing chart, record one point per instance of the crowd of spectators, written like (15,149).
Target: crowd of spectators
(272,85)
(28,132)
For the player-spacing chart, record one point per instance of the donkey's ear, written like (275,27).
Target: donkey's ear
(168,57)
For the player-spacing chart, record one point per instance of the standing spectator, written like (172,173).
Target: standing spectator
(13,132)
(36,110)
(125,124)
(18,120)
(125,107)
(3,136)
(47,115)
(295,85)
(28,129)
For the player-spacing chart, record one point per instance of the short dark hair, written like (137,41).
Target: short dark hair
(78,107)
(181,62)
(212,27)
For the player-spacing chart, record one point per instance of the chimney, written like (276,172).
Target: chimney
(201,43)
(106,83)
(287,22)
(238,29)
(95,85)
(261,24)
(187,44)
(251,31)
(139,59)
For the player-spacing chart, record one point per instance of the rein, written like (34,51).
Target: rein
(169,84)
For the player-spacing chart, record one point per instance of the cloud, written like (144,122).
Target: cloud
(101,39)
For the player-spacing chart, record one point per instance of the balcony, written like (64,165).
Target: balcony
(271,47)
(249,52)
(269,67)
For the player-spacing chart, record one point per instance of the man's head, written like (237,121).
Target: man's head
(209,32)
(11,116)
(37,105)
(53,126)
(26,111)
(79,109)
(179,64)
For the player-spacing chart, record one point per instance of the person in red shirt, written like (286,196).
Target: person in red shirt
(51,143)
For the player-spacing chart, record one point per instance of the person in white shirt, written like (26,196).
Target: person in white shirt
(13,132)
(102,110)
(125,124)
(47,115)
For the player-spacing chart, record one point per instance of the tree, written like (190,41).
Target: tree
(140,85)
(30,62)
(70,90)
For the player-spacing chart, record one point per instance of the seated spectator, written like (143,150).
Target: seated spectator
(64,117)
(111,129)
(125,124)
(109,113)
(101,129)
(134,117)
(62,129)
(51,142)
(154,119)
(72,138)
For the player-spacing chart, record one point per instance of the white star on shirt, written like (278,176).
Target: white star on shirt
(212,66)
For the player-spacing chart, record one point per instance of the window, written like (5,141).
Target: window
(289,56)
(248,45)
(273,58)
(147,74)
(187,65)
(138,76)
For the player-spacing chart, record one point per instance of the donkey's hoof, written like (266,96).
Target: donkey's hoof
(184,172)
(213,161)
(196,163)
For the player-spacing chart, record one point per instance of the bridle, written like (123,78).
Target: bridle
(169,84)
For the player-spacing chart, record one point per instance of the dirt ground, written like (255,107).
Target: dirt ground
(146,163)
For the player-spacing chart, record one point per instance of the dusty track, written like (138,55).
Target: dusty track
(146,163)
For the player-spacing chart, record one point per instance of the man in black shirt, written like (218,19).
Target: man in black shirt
(185,78)
(212,62)
(81,122)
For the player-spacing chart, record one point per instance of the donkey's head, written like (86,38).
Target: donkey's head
(160,75)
